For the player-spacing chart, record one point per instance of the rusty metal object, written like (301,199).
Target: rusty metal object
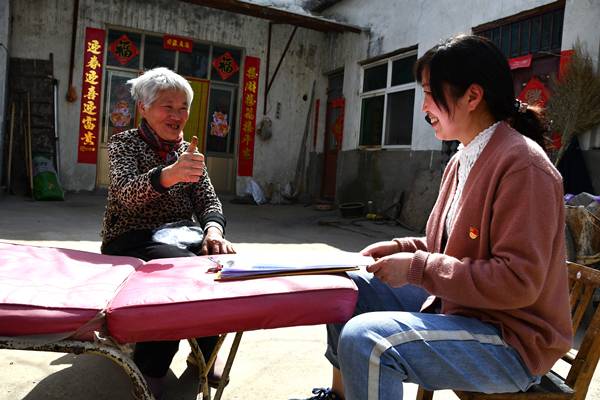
(104,346)
(584,226)
(140,388)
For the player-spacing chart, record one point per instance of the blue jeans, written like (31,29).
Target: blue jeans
(389,342)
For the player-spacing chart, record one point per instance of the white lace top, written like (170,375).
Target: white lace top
(467,155)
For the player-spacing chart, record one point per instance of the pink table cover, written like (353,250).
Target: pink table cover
(177,298)
(50,290)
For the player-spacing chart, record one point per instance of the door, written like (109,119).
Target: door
(220,137)
(118,116)
(196,124)
(334,134)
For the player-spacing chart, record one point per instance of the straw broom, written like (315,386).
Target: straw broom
(574,107)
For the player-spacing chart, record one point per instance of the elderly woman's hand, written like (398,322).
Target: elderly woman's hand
(215,243)
(189,167)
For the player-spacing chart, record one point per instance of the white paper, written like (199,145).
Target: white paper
(248,264)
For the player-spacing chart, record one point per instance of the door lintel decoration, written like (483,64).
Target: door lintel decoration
(225,65)
(123,49)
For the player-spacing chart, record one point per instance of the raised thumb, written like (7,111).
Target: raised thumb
(193,145)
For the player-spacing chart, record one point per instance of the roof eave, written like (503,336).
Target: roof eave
(278,15)
(322,5)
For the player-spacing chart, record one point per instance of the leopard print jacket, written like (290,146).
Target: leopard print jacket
(137,200)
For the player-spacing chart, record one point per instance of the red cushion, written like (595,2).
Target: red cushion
(49,290)
(177,298)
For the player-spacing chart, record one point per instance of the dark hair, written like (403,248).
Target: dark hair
(463,60)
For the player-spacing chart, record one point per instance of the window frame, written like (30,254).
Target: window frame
(389,89)
(533,45)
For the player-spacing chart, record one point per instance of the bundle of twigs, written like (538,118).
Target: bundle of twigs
(574,106)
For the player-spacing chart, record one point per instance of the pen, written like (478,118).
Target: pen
(217,268)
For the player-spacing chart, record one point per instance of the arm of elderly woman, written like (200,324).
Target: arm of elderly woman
(128,185)
(214,243)
(189,167)
(207,208)
(134,188)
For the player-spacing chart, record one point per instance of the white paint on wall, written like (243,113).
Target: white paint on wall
(578,14)
(276,159)
(581,13)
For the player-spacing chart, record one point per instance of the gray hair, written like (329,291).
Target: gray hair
(145,88)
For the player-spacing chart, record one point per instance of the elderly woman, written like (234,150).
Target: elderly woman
(157,180)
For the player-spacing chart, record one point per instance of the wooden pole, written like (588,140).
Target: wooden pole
(10,146)
(266,78)
(29,156)
(300,178)
(71,93)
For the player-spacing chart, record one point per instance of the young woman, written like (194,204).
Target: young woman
(480,303)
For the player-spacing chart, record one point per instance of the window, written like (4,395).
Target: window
(195,64)
(155,55)
(141,51)
(375,78)
(528,34)
(388,101)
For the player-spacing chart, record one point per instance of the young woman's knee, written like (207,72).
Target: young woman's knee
(359,335)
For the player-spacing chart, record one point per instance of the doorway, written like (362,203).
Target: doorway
(119,115)
(334,134)
(220,136)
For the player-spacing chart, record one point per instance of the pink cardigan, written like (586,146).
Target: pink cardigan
(504,261)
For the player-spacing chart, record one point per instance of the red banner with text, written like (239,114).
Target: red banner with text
(89,117)
(248,118)
(520,62)
(174,43)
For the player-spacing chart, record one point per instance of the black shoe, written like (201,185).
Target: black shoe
(156,385)
(324,394)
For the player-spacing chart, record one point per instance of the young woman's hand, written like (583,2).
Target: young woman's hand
(380,249)
(392,269)
(215,243)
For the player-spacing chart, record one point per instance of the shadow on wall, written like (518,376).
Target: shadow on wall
(420,198)
(408,179)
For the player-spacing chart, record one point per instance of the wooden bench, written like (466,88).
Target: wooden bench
(583,281)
